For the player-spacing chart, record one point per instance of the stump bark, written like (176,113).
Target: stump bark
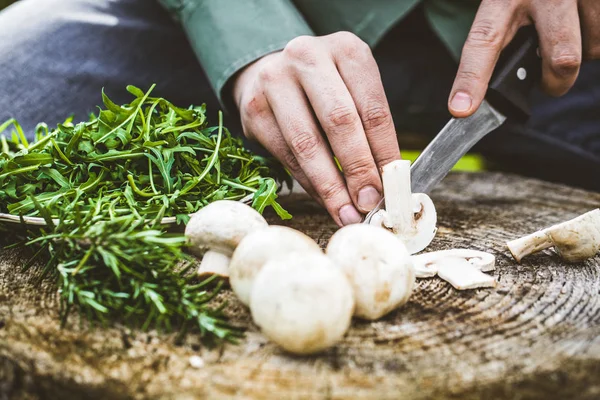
(537,335)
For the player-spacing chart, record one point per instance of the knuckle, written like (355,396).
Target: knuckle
(466,74)
(484,33)
(301,49)
(565,63)
(359,168)
(352,46)
(268,73)
(305,145)
(341,119)
(377,117)
(330,190)
(256,106)
(288,158)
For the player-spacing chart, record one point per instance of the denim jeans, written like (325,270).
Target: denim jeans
(57,55)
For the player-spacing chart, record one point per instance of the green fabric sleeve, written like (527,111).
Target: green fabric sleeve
(227,35)
(452,21)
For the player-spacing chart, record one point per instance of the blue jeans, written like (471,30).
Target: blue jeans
(57,55)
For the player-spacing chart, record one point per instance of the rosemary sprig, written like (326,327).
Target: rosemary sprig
(103,187)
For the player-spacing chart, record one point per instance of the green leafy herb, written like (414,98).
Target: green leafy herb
(103,187)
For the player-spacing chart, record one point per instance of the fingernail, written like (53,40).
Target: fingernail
(349,215)
(461,102)
(368,197)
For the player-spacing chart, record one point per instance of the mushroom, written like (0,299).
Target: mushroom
(303,302)
(215,230)
(377,265)
(462,268)
(259,247)
(575,240)
(410,216)
(427,264)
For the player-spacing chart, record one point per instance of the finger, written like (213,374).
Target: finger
(338,116)
(302,135)
(480,53)
(360,74)
(558,27)
(589,13)
(259,124)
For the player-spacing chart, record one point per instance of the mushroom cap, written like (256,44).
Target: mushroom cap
(577,239)
(221,225)
(377,265)
(425,222)
(303,302)
(421,232)
(427,264)
(259,247)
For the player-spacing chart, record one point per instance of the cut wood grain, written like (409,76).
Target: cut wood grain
(536,335)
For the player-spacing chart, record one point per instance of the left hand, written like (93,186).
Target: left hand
(568,31)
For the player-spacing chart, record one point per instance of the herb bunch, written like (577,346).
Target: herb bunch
(104,186)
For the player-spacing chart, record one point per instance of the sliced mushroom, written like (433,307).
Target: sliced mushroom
(411,217)
(259,247)
(377,265)
(426,265)
(303,302)
(462,276)
(215,230)
(462,268)
(575,240)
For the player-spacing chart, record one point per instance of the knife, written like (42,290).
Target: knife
(516,74)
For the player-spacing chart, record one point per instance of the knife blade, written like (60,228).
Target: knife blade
(517,71)
(444,151)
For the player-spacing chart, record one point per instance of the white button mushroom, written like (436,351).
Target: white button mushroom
(411,217)
(303,302)
(259,247)
(462,268)
(377,265)
(215,230)
(575,240)
(427,264)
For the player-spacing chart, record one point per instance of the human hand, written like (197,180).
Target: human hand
(320,97)
(568,31)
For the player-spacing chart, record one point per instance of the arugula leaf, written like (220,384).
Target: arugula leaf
(103,186)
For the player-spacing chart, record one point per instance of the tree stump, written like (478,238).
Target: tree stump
(536,335)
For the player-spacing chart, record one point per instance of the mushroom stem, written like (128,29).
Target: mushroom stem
(398,197)
(529,244)
(214,262)
(574,240)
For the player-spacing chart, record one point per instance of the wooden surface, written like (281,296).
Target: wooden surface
(537,335)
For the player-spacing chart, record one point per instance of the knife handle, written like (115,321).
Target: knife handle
(517,73)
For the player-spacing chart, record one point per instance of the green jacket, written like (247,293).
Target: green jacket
(226,35)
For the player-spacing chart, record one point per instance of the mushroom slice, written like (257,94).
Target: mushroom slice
(462,275)
(427,264)
(259,247)
(411,217)
(462,268)
(575,240)
(303,302)
(377,265)
(215,230)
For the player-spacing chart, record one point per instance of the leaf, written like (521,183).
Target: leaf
(135,91)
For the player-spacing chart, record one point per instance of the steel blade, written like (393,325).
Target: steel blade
(453,142)
(444,151)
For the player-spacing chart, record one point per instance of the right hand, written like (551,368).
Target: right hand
(320,97)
